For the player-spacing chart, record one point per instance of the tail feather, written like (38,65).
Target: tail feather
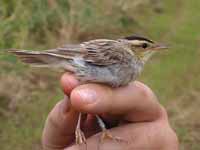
(43,59)
(29,57)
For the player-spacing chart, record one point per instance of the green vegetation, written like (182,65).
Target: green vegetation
(27,95)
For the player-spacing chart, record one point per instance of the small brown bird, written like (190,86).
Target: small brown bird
(111,62)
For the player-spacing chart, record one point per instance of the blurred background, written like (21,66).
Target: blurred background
(28,94)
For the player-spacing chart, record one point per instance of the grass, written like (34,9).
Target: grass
(173,75)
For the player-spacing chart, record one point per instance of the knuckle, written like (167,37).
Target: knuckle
(108,97)
(163,113)
(171,141)
(166,137)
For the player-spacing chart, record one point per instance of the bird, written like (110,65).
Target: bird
(113,62)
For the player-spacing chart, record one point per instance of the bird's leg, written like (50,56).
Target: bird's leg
(106,134)
(80,137)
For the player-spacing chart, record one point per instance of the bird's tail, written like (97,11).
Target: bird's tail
(43,59)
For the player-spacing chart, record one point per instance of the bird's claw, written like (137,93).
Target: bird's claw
(107,135)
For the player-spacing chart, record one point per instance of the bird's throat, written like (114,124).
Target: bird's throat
(144,56)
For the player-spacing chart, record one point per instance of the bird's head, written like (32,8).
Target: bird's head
(143,47)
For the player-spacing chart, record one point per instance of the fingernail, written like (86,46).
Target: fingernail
(87,95)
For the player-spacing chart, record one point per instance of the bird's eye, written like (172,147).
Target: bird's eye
(144,45)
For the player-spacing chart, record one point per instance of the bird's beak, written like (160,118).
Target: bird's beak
(159,46)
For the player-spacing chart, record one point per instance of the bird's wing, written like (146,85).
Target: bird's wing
(98,52)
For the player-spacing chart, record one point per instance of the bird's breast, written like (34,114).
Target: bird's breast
(118,74)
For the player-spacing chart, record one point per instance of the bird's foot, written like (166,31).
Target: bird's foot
(80,137)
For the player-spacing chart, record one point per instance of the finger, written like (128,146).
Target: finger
(68,82)
(136,100)
(60,126)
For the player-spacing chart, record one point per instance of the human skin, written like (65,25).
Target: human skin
(132,111)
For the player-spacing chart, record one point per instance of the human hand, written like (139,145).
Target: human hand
(133,111)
